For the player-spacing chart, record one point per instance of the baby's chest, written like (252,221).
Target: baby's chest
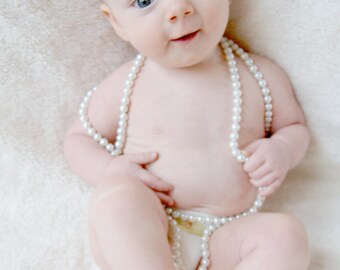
(194,119)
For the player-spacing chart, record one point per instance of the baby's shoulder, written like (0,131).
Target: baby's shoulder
(273,73)
(104,106)
(114,82)
(286,109)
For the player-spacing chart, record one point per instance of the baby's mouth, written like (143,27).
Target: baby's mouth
(186,37)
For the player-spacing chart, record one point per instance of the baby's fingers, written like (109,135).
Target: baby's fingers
(269,190)
(165,199)
(265,181)
(153,182)
(142,158)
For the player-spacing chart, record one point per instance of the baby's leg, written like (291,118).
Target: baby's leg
(128,226)
(260,241)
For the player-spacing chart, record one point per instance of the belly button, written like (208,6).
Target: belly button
(157,131)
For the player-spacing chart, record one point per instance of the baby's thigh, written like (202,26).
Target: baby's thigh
(272,234)
(123,196)
(119,201)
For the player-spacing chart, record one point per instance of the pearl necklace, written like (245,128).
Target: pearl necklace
(211,223)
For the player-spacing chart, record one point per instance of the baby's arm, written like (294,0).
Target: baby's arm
(270,159)
(90,161)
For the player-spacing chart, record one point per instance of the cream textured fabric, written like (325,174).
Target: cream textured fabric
(52,52)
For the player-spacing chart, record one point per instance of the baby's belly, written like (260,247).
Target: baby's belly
(205,178)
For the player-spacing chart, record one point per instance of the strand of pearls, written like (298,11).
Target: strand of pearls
(211,223)
(115,149)
(229,46)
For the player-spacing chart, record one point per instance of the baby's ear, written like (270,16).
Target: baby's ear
(112,20)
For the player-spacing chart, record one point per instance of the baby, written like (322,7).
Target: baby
(183,144)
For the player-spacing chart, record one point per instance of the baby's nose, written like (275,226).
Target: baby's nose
(179,9)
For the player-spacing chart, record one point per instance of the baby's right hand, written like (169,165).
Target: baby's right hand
(133,164)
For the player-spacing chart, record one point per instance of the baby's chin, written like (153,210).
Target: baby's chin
(182,62)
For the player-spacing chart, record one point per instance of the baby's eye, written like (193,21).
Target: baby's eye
(143,3)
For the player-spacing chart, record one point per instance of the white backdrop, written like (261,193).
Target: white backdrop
(51,53)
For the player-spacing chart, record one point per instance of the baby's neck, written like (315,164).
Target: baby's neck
(214,59)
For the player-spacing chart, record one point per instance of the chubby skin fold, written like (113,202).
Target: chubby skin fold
(181,111)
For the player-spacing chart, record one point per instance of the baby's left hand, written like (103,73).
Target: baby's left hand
(267,165)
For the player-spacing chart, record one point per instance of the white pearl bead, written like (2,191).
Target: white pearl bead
(239,51)
(268,99)
(109,147)
(235,152)
(118,144)
(123,117)
(119,137)
(233,70)
(236,85)
(97,137)
(205,253)
(175,214)
(91,132)
(269,107)
(132,76)
(206,232)
(233,144)
(237,110)
(176,245)
(249,62)
(234,136)
(123,109)
(244,56)
(262,83)
(207,219)
(184,217)
(235,77)
(237,93)
(103,142)
(128,91)
(265,91)
(217,221)
(192,218)
(235,127)
(205,239)
(253,68)
(212,227)
(205,262)
(204,246)
(258,75)
(237,101)
(269,114)
(234,46)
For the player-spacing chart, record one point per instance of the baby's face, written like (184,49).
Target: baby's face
(174,33)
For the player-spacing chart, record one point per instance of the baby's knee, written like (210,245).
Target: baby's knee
(286,232)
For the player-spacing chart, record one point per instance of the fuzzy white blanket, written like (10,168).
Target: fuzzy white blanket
(52,52)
